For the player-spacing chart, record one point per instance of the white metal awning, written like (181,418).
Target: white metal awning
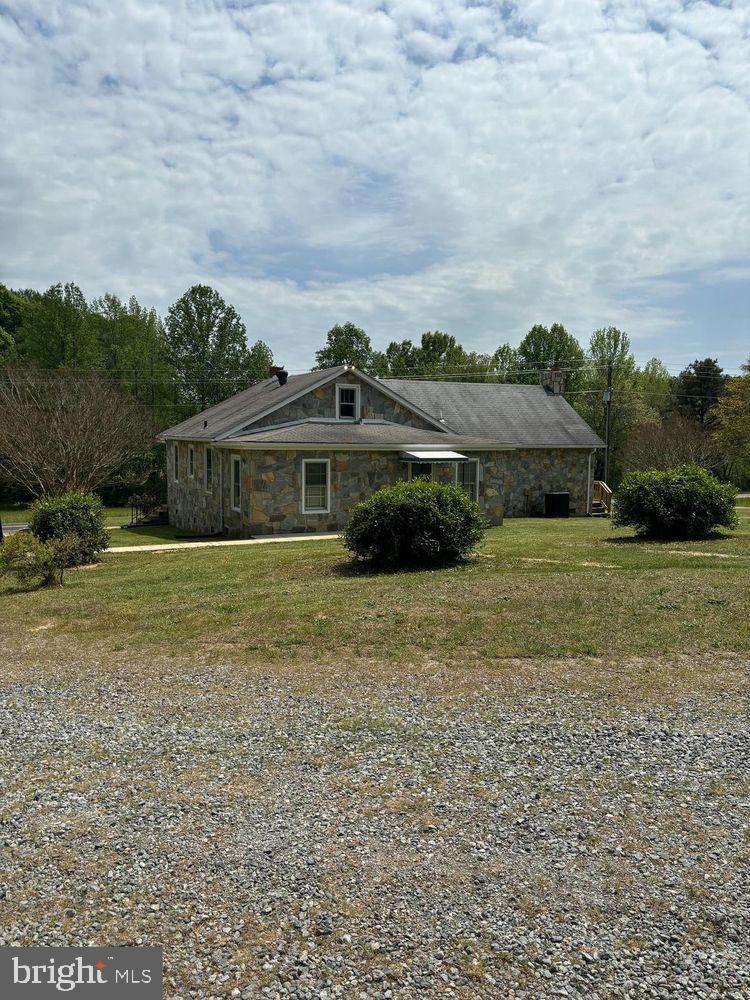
(432,456)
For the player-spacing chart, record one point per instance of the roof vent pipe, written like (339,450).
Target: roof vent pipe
(280,372)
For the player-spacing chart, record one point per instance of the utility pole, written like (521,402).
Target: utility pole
(607,415)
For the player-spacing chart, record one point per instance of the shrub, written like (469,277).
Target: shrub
(686,502)
(32,562)
(78,514)
(414,523)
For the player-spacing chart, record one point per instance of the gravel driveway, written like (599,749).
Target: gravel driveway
(532,830)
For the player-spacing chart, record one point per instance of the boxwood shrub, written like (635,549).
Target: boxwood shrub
(414,523)
(685,502)
(72,514)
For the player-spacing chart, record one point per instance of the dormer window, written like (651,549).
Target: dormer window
(347,402)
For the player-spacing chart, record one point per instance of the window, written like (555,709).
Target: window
(236,482)
(176,464)
(191,461)
(347,402)
(209,469)
(315,486)
(420,469)
(467,476)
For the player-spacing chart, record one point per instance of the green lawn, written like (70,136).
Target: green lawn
(536,588)
(19,512)
(149,536)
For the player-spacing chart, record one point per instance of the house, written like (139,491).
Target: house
(295,453)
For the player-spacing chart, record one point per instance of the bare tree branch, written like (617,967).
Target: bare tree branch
(61,430)
(676,440)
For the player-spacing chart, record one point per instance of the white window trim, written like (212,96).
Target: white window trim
(191,462)
(317,461)
(357,407)
(176,462)
(475,462)
(432,469)
(232,459)
(209,487)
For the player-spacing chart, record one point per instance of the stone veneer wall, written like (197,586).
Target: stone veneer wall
(271,498)
(532,472)
(321,402)
(510,483)
(275,486)
(191,507)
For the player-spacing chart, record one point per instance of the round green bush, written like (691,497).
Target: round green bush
(414,523)
(31,562)
(686,502)
(78,514)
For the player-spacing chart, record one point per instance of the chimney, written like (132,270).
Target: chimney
(280,372)
(553,380)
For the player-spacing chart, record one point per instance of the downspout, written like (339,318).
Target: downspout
(588,487)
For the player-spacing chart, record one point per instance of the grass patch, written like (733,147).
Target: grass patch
(537,588)
(13,513)
(153,535)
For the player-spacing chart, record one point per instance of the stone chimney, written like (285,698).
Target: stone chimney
(553,380)
(280,372)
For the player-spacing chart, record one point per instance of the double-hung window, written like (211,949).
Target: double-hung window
(191,461)
(467,477)
(236,482)
(347,402)
(208,469)
(316,486)
(176,463)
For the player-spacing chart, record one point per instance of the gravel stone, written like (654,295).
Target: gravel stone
(533,830)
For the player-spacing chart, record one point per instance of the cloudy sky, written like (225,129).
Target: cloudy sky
(469,165)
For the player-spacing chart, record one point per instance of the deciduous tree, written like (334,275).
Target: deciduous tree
(698,389)
(733,421)
(542,347)
(207,346)
(63,430)
(665,444)
(346,344)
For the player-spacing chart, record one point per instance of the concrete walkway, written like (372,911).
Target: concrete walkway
(172,546)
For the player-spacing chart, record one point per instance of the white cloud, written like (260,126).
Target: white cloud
(406,164)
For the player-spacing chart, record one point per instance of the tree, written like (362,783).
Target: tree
(543,347)
(698,389)
(400,358)
(10,323)
(733,420)
(346,345)
(62,430)
(676,440)
(506,364)
(259,360)
(654,383)
(134,352)
(207,346)
(56,329)
(610,346)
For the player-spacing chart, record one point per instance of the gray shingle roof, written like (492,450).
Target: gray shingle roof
(526,416)
(521,416)
(246,405)
(368,432)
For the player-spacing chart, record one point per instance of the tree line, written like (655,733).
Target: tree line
(198,354)
(194,357)
(657,419)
